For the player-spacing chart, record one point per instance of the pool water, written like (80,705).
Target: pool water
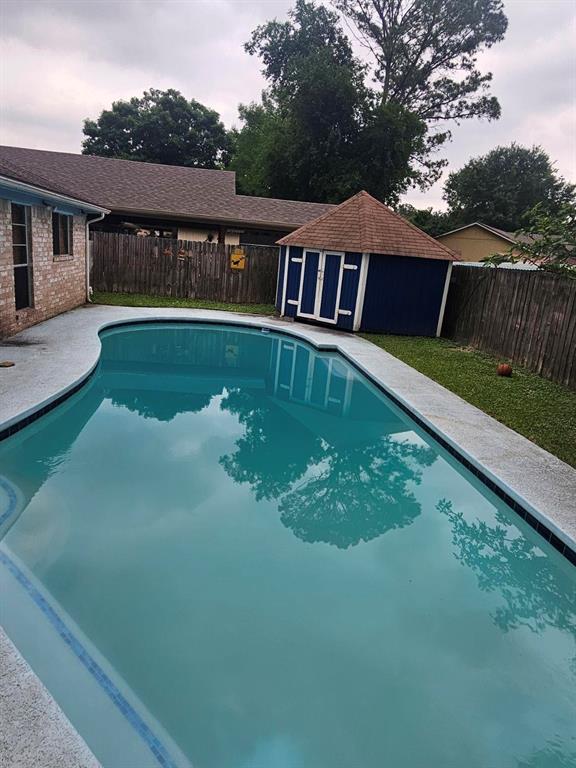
(230,550)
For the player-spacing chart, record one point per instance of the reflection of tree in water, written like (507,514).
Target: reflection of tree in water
(158,404)
(553,756)
(537,594)
(348,493)
(358,493)
(273,452)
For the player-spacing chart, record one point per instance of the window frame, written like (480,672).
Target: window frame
(59,248)
(27,246)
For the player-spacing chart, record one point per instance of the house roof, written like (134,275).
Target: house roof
(365,225)
(510,237)
(169,191)
(35,184)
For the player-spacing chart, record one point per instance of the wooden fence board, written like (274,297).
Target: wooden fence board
(525,315)
(182,269)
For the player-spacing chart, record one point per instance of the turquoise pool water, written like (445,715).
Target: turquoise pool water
(229,550)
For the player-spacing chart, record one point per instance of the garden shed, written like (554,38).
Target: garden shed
(362,267)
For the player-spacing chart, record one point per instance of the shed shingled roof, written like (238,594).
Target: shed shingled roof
(365,225)
(167,191)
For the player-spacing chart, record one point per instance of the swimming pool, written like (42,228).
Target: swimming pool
(229,549)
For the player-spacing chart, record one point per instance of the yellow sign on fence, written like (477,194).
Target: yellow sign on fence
(238,258)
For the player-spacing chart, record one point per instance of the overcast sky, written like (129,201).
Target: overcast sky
(64,61)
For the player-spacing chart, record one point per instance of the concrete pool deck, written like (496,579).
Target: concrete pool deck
(53,357)
(35,731)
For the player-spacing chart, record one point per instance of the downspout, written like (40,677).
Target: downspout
(99,217)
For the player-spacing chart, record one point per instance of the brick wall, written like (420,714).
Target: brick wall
(58,282)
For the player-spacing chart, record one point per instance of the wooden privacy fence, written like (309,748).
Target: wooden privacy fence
(527,316)
(182,269)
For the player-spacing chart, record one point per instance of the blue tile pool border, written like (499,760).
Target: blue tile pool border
(119,700)
(562,547)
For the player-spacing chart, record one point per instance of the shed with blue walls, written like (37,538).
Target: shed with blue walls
(362,267)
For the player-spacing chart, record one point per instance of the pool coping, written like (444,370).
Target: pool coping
(55,358)
(36,731)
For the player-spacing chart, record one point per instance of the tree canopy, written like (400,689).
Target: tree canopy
(500,187)
(428,220)
(319,133)
(322,132)
(424,57)
(159,127)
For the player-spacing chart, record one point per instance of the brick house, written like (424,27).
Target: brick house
(43,236)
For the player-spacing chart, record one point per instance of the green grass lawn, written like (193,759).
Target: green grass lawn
(540,410)
(141,300)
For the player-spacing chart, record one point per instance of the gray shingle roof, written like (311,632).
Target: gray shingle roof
(149,188)
(366,225)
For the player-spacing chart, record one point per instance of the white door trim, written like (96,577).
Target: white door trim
(361,292)
(305,252)
(285,279)
(444,297)
(339,288)
(315,315)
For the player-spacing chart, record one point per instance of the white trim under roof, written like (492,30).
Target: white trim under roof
(31,189)
(496,232)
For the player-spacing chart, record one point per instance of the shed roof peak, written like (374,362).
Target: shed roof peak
(364,224)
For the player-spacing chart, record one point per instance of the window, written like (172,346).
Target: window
(62,234)
(22,255)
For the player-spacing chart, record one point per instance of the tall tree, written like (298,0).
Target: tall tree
(159,127)
(424,56)
(500,187)
(319,134)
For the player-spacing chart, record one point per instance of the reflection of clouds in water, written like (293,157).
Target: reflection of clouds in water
(43,536)
(275,752)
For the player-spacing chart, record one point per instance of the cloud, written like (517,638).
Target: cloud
(65,61)
(73,59)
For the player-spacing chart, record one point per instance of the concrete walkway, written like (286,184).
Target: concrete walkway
(54,356)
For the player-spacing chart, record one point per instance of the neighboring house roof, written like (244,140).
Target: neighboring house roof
(126,186)
(365,225)
(510,237)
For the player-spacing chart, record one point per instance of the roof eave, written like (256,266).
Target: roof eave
(350,249)
(482,226)
(280,226)
(32,189)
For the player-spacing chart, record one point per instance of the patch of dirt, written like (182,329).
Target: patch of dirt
(18,343)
